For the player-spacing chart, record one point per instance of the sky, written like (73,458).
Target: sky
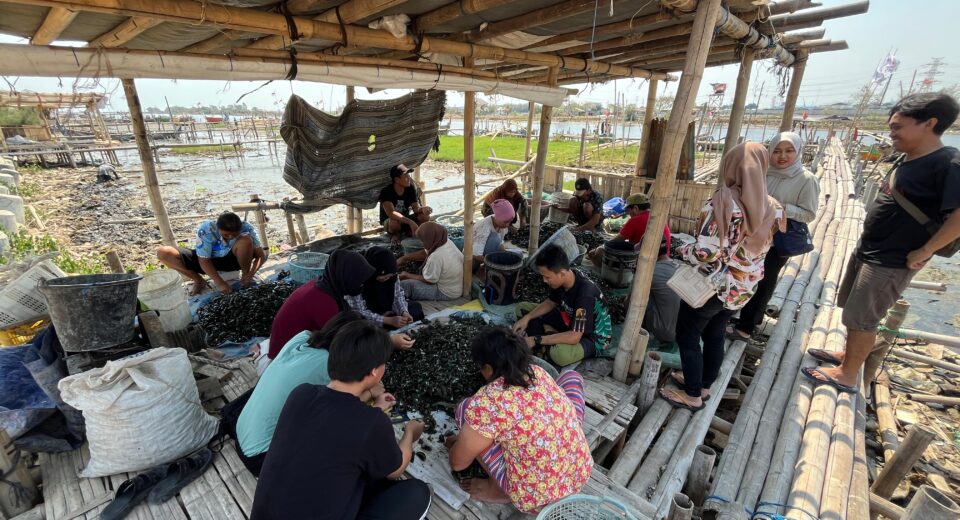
(916,35)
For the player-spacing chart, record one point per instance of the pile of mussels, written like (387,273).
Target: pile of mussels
(588,239)
(438,372)
(243,314)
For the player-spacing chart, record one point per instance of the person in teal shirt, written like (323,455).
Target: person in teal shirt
(302,360)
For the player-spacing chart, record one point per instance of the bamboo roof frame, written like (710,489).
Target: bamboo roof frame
(48,99)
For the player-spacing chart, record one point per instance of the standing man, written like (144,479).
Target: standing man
(227,244)
(574,308)
(586,206)
(400,211)
(895,245)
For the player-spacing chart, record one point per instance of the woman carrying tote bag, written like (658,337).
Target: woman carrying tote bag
(735,229)
(798,192)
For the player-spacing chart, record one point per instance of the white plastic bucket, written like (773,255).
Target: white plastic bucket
(565,240)
(13,173)
(561,199)
(8,221)
(162,291)
(14,204)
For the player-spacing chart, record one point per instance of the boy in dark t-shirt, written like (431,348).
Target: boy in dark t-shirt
(894,245)
(400,211)
(332,455)
(574,308)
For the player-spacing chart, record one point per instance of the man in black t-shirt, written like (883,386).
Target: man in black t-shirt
(400,211)
(894,245)
(335,457)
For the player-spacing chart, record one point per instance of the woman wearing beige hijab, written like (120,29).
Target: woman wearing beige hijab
(735,229)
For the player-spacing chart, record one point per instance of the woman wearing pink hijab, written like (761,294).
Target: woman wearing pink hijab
(489,233)
(735,230)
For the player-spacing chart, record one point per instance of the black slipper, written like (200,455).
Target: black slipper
(823,356)
(679,404)
(809,372)
(179,474)
(733,335)
(131,492)
(674,375)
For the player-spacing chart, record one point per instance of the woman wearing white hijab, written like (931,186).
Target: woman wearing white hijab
(797,190)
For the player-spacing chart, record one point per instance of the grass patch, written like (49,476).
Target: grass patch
(24,245)
(565,153)
(202,148)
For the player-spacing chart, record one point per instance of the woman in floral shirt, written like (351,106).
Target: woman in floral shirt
(524,427)
(735,229)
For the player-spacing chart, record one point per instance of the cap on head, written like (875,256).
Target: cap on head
(581,187)
(638,199)
(399,170)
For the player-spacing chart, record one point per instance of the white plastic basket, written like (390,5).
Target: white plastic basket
(586,507)
(21,301)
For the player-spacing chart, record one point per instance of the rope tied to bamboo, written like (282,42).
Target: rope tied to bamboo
(775,516)
(292,72)
(343,27)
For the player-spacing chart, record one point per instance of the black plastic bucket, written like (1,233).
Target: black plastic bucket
(619,263)
(503,273)
(94,311)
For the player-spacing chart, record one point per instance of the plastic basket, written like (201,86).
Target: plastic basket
(307,267)
(585,507)
(21,301)
(20,334)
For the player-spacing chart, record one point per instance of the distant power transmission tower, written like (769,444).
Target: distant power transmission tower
(930,72)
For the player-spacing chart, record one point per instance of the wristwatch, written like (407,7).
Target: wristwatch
(537,341)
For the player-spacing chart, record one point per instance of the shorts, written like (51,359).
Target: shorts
(868,291)
(404,228)
(223,264)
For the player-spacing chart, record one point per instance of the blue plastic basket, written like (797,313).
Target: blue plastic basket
(306,267)
(586,507)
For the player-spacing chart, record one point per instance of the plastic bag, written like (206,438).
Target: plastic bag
(141,411)
(395,24)
(614,207)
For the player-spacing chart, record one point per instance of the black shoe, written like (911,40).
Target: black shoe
(132,492)
(179,474)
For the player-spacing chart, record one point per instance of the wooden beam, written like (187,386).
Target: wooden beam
(633,25)
(543,144)
(146,160)
(542,16)
(739,100)
(189,11)
(632,39)
(469,187)
(360,60)
(124,32)
(793,92)
(454,10)
(647,119)
(705,20)
(526,147)
(57,20)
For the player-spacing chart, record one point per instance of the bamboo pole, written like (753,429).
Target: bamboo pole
(353,225)
(681,508)
(583,147)
(676,471)
(453,10)
(886,423)
(886,339)
(469,189)
(739,100)
(188,11)
(858,505)
(542,16)
(126,31)
(543,145)
(637,362)
(146,160)
(882,506)
(648,112)
(951,342)
(626,464)
(527,141)
(663,189)
(302,226)
(520,171)
(291,230)
(927,286)
(934,399)
(911,449)
(645,481)
(930,503)
(56,21)
(836,487)
(912,356)
(698,480)
(113,260)
(793,92)
(651,378)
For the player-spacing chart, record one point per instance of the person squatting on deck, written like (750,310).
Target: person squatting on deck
(227,244)
(490,232)
(575,310)
(332,455)
(524,428)
(510,192)
(312,305)
(586,206)
(638,209)
(894,244)
(442,274)
(798,192)
(735,229)
(400,210)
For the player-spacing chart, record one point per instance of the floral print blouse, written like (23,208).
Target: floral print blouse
(741,270)
(546,453)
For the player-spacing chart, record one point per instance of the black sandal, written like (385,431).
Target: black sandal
(809,372)
(824,356)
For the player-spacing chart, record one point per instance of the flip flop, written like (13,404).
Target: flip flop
(677,378)
(823,356)
(809,372)
(679,404)
(179,474)
(131,492)
(732,334)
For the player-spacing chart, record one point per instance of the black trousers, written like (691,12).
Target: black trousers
(752,313)
(700,368)
(395,500)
